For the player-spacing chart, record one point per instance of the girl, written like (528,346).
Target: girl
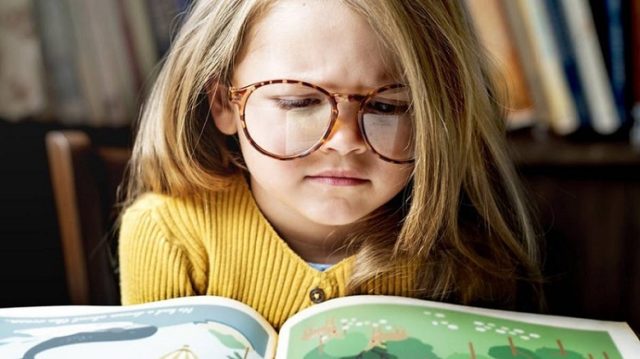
(296,151)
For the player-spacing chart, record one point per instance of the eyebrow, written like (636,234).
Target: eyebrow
(362,87)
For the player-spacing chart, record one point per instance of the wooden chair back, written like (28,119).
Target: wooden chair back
(85,179)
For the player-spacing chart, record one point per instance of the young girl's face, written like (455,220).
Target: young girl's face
(327,44)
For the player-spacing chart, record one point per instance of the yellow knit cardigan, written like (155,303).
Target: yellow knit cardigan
(222,245)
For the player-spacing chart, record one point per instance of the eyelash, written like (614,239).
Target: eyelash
(290,104)
(394,108)
(372,107)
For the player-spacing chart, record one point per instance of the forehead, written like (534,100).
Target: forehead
(319,41)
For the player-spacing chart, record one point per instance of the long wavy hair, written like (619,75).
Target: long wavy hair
(463,219)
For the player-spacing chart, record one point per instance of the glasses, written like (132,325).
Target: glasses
(288,119)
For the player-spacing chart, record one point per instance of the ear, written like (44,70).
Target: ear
(222,110)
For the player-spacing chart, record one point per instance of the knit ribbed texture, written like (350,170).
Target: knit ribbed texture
(222,245)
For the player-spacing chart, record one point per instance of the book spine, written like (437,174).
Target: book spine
(183,5)
(617,55)
(590,63)
(141,35)
(519,26)
(610,19)
(563,114)
(635,72)
(58,49)
(22,92)
(489,19)
(129,43)
(123,63)
(114,75)
(569,61)
(635,50)
(87,61)
(162,14)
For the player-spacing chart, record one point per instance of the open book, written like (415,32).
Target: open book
(351,327)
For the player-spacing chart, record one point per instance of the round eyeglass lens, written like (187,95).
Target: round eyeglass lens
(286,120)
(388,125)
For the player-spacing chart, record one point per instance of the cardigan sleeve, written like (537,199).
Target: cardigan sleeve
(152,266)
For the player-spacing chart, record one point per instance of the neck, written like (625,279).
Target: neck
(313,242)
(316,248)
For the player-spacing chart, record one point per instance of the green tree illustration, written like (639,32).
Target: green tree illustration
(236,355)
(353,343)
(227,340)
(466,356)
(505,352)
(316,353)
(411,348)
(374,353)
(554,353)
(354,346)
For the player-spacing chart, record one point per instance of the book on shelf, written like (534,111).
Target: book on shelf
(22,89)
(611,18)
(116,76)
(165,16)
(66,97)
(594,82)
(139,35)
(574,58)
(87,68)
(635,65)
(521,29)
(489,19)
(568,56)
(349,327)
(538,45)
(81,61)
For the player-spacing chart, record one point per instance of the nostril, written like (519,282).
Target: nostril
(345,138)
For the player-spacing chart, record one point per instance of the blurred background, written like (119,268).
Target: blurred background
(73,74)
(66,65)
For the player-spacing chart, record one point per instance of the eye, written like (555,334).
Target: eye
(290,104)
(385,108)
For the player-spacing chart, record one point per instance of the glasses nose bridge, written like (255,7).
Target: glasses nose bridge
(347,98)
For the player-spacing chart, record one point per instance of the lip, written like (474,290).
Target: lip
(338,178)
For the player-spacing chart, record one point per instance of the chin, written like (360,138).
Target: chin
(334,216)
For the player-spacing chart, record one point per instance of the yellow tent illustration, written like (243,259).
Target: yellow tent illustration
(183,353)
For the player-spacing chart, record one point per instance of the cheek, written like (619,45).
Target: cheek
(395,176)
(264,168)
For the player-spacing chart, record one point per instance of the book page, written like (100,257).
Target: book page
(199,327)
(379,326)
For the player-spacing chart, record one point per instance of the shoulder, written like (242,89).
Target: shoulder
(148,203)
(163,210)
(155,217)
(186,216)
(160,231)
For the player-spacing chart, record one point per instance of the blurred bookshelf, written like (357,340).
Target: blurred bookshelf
(571,69)
(82,62)
(569,66)
(536,151)
(66,64)
(586,196)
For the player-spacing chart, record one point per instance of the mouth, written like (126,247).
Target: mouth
(338,178)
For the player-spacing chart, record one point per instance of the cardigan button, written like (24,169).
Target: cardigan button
(317,295)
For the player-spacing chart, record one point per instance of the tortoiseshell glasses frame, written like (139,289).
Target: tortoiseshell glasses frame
(239,97)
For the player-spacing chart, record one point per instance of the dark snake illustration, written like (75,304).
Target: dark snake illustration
(110,335)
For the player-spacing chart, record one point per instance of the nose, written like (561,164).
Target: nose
(345,137)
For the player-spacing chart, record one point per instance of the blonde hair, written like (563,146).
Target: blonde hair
(462,219)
